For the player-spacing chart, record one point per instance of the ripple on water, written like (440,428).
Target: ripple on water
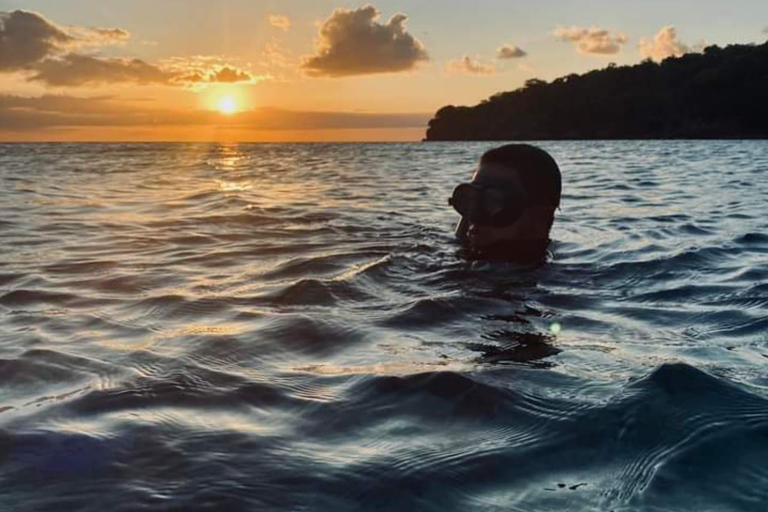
(292,327)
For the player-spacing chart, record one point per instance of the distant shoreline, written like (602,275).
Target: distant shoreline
(719,94)
(605,139)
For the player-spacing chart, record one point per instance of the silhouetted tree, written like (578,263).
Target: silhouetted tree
(718,93)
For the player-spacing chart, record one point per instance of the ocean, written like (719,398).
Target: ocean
(204,327)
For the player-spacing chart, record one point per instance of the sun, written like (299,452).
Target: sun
(227,105)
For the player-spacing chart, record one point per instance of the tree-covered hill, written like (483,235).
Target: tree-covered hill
(719,93)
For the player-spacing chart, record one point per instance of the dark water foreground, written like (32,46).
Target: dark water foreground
(289,328)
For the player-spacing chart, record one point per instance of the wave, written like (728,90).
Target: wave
(293,327)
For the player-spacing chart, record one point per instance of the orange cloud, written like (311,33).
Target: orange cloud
(280,21)
(663,45)
(468,66)
(592,41)
(352,42)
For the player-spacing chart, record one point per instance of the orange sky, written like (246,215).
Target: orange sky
(320,70)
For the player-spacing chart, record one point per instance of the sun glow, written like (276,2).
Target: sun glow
(226,99)
(227,105)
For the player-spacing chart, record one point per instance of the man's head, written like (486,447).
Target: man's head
(508,208)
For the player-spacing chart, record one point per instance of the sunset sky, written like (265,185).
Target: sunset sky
(314,70)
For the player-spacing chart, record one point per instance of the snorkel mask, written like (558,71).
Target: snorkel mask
(491,203)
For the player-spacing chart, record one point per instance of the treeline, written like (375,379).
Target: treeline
(719,93)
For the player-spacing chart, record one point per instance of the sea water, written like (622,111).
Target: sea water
(292,327)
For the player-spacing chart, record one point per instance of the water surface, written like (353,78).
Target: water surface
(290,327)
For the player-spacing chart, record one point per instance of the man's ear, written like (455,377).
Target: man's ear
(540,220)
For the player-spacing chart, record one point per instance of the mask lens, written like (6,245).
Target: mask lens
(465,199)
(494,202)
(487,204)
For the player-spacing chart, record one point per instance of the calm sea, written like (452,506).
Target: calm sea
(289,327)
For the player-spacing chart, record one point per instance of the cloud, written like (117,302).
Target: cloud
(26,38)
(230,75)
(206,70)
(18,114)
(352,42)
(468,66)
(43,52)
(592,41)
(663,45)
(87,36)
(510,52)
(280,21)
(77,70)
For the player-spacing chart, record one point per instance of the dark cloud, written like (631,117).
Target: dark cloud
(230,75)
(26,38)
(352,42)
(218,74)
(594,41)
(78,70)
(85,36)
(510,52)
(23,114)
(34,45)
(75,70)
(115,34)
(46,112)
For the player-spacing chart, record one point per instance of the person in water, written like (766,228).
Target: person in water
(508,209)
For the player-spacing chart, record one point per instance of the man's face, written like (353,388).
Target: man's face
(532,225)
(503,178)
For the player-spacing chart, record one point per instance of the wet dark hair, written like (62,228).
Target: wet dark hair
(538,170)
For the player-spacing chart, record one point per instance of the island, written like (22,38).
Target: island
(720,93)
